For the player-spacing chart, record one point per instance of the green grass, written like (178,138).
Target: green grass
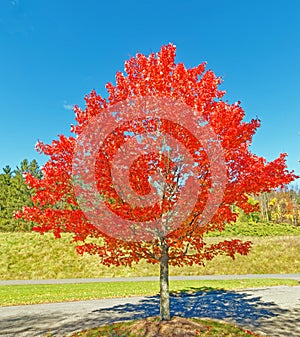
(32,256)
(209,328)
(43,293)
(258,229)
(270,255)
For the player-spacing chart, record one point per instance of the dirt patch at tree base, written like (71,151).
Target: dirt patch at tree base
(177,327)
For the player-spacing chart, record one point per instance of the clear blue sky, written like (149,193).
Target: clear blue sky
(53,52)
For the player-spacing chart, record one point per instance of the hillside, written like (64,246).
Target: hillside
(276,249)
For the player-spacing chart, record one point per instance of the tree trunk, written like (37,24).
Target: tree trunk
(164,283)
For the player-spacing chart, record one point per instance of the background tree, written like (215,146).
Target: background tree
(284,206)
(277,206)
(15,194)
(159,76)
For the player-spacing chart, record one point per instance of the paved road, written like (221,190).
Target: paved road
(273,311)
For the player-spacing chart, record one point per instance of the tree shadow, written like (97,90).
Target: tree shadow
(242,308)
(216,304)
(189,290)
(234,307)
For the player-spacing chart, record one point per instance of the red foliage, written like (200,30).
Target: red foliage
(55,205)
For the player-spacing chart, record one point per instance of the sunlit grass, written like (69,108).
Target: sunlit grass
(258,229)
(270,255)
(46,293)
(32,256)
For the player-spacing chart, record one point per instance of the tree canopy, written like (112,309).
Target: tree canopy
(56,207)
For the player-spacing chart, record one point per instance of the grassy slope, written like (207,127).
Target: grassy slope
(276,249)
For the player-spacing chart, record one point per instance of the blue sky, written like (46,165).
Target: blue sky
(54,52)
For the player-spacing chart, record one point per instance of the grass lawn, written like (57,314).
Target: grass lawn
(43,293)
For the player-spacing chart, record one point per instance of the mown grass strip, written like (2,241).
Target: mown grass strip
(43,293)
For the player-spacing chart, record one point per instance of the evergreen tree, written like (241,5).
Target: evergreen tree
(15,194)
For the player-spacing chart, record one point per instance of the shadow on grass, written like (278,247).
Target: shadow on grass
(190,290)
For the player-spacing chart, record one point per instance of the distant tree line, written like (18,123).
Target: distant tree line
(14,194)
(279,206)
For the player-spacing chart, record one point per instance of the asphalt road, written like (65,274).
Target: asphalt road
(272,311)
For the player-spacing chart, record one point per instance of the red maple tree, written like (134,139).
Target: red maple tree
(56,207)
